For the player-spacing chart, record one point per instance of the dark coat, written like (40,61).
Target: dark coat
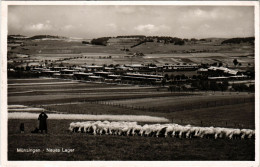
(43,121)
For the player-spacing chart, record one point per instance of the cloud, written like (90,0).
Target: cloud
(185,28)
(125,9)
(147,27)
(112,25)
(68,27)
(39,27)
(205,26)
(150,28)
(199,12)
(109,20)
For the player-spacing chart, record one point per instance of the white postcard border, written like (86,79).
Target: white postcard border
(4,162)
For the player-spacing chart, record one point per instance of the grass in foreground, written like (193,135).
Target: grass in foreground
(88,147)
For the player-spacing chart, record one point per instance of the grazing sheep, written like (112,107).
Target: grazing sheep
(191,133)
(74,126)
(236,134)
(177,131)
(219,132)
(158,130)
(168,130)
(143,129)
(136,130)
(184,132)
(208,132)
(228,133)
(247,133)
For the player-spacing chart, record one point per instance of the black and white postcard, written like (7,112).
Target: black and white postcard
(130,83)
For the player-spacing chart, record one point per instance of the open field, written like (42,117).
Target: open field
(76,53)
(159,59)
(61,96)
(65,47)
(48,85)
(235,116)
(238,115)
(179,107)
(73,91)
(166,103)
(74,97)
(88,147)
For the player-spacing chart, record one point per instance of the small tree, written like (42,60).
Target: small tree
(61,65)
(215,64)
(235,62)
(166,76)
(172,77)
(194,77)
(214,86)
(163,81)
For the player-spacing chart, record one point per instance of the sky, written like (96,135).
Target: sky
(98,21)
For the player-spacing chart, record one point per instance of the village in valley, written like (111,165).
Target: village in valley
(184,69)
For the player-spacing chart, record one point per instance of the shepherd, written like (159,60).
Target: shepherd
(43,122)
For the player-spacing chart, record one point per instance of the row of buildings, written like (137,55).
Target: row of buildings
(140,67)
(96,73)
(135,72)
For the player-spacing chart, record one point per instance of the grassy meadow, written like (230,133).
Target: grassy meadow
(76,53)
(102,99)
(89,147)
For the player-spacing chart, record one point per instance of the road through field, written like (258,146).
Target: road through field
(138,118)
(43,83)
(88,89)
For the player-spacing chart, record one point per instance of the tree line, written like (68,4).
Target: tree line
(143,39)
(250,40)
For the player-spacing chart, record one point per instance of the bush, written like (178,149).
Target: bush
(250,40)
(22,74)
(100,41)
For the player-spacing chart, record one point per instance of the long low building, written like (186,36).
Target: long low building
(82,75)
(139,76)
(180,67)
(222,70)
(68,72)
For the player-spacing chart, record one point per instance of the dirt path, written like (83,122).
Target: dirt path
(138,118)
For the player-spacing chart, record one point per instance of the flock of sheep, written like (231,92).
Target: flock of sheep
(159,130)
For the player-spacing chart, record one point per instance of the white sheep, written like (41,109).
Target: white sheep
(132,128)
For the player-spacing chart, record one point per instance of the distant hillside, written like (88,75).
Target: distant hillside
(10,37)
(136,40)
(21,37)
(131,36)
(250,40)
(127,42)
(47,36)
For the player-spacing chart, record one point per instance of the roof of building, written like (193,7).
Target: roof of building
(224,69)
(218,77)
(202,69)
(91,66)
(83,73)
(95,77)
